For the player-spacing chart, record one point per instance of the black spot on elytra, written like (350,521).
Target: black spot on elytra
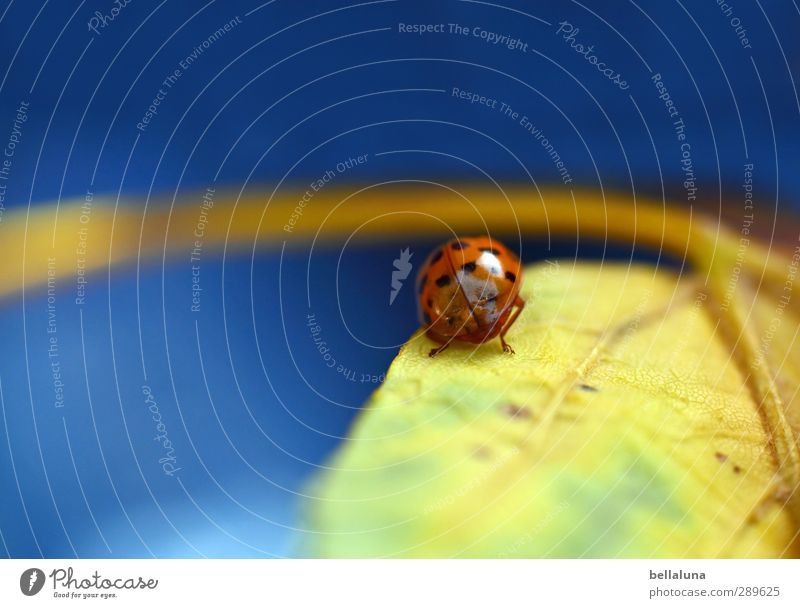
(511,276)
(430,302)
(459,245)
(437,256)
(588,388)
(720,456)
(491,250)
(422,283)
(468,267)
(737,469)
(443,280)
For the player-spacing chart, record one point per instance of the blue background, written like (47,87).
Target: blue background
(289,92)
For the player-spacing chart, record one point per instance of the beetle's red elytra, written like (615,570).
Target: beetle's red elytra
(469,291)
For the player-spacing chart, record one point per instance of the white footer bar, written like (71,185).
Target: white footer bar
(400,583)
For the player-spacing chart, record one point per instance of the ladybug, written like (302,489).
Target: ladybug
(469,290)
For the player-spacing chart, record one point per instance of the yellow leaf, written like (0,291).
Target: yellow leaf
(682,398)
(631,422)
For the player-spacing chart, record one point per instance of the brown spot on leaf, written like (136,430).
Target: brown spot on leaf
(516,411)
(782,493)
(482,453)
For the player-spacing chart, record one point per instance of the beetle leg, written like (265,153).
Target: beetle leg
(437,338)
(519,305)
(438,349)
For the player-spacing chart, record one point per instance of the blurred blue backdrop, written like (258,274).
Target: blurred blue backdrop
(251,94)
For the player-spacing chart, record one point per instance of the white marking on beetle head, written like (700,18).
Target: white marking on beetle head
(490,263)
